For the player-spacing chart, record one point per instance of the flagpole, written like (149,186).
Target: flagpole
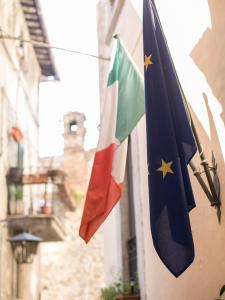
(197,174)
(213,198)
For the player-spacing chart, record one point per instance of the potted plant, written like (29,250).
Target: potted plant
(121,291)
(128,291)
(109,293)
(46,209)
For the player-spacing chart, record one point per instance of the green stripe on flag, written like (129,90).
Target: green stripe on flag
(131,105)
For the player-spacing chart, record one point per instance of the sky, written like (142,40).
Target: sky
(70,24)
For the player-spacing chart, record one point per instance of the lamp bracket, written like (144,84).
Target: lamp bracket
(212,187)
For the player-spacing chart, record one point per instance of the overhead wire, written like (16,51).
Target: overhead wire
(6,36)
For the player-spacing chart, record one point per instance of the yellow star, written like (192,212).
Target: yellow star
(165,168)
(148,61)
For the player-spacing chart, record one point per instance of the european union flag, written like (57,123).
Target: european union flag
(170,147)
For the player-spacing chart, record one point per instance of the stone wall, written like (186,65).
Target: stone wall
(73,270)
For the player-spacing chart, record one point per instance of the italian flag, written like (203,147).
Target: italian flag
(123,108)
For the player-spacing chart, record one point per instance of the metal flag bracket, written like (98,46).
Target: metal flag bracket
(212,189)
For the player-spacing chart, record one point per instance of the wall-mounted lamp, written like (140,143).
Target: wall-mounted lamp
(24,247)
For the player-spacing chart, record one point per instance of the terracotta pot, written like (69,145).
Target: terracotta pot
(129,297)
(16,134)
(47,210)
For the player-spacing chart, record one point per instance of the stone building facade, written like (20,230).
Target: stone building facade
(22,69)
(72,269)
(24,184)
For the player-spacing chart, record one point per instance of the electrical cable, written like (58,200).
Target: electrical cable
(5,36)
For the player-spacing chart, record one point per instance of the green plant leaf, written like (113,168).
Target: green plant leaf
(222,290)
(78,196)
(109,293)
(19,192)
(120,288)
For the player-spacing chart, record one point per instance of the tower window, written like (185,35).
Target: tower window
(73,126)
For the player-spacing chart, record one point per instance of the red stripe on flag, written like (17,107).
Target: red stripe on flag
(103,193)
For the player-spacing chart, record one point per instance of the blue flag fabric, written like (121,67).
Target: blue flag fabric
(170,147)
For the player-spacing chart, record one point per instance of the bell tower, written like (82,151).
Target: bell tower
(74,132)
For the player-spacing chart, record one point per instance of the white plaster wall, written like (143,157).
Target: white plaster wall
(112,246)
(112,230)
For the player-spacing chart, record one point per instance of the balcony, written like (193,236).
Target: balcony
(38,201)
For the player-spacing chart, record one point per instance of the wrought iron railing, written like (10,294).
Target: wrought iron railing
(39,192)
